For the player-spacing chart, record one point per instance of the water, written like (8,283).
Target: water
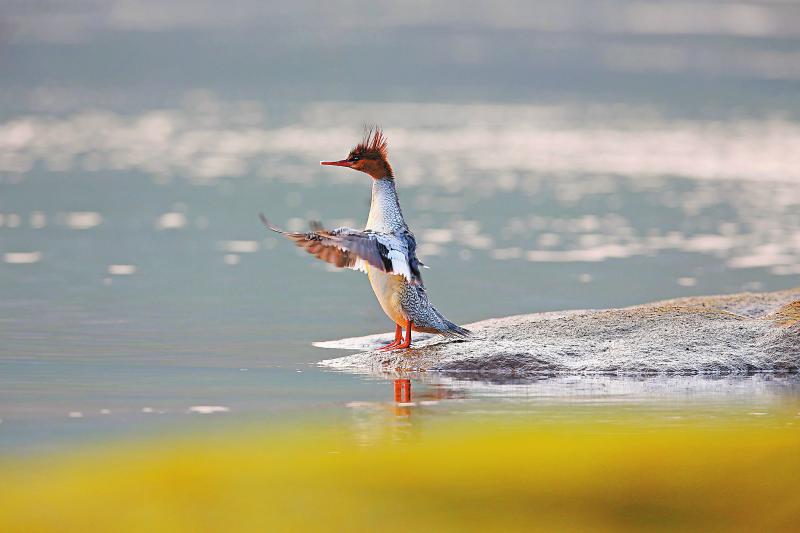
(136,277)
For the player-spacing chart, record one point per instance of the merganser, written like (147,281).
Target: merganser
(385,249)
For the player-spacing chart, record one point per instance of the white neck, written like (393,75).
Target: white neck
(384,211)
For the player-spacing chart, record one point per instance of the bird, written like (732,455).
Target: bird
(385,249)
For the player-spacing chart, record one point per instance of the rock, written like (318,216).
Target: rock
(735,334)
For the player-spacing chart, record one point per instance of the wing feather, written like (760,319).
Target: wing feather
(354,249)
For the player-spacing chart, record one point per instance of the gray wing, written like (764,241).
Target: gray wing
(411,254)
(351,248)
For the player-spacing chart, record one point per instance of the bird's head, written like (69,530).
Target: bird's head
(369,156)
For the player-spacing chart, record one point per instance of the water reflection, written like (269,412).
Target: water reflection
(646,402)
(402,391)
(651,401)
(588,186)
(459,144)
(436,386)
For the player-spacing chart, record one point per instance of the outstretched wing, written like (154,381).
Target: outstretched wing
(351,248)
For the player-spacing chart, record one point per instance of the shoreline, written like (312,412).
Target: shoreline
(739,333)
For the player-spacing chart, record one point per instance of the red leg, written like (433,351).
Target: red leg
(407,343)
(398,338)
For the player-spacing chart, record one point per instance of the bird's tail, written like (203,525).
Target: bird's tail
(449,329)
(454,330)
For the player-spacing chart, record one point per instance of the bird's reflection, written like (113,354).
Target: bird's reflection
(402,390)
(431,393)
(402,397)
(397,419)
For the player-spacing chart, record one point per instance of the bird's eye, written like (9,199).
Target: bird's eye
(354,158)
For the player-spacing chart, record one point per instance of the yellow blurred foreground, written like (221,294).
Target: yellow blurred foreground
(452,477)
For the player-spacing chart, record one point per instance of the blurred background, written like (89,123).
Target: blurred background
(549,155)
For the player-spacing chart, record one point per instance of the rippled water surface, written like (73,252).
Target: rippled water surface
(139,290)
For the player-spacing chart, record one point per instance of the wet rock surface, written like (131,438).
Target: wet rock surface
(733,334)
